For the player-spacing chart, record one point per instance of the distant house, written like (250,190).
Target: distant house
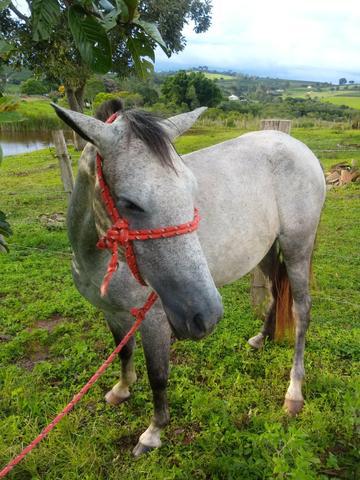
(233,98)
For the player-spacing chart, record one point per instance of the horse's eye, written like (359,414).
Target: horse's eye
(133,207)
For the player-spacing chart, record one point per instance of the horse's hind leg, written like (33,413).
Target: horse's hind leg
(155,336)
(298,269)
(119,324)
(267,266)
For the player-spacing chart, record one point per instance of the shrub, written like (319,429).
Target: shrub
(103,97)
(32,86)
(94,86)
(8,104)
(129,99)
(167,109)
(54,96)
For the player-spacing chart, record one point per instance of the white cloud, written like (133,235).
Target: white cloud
(281,34)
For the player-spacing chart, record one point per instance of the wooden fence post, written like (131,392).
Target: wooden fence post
(260,288)
(67,176)
(276,124)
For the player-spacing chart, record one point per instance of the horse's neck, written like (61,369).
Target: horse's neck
(87,219)
(101,217)
(102,220)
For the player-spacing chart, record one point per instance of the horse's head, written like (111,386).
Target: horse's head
(153,188)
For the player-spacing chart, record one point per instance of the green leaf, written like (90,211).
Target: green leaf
(110,19)
(151,29)
(91,39)
(123,10)
(4,4)
(138,50)
(45,14)
(110,12)
(132,8)
(141,46)
(5,47)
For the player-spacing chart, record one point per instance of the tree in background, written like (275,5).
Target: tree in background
(192,89)
(342,81)
(33,86)
(67,40)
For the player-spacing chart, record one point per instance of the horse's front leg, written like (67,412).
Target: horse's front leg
(119,324)
(155,336)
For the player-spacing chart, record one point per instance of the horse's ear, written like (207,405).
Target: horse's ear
(89,128)
(179,124)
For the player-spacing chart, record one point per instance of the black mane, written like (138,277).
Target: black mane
(143,125)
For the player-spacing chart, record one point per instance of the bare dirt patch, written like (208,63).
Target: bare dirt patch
(5,338)
(53,221)
(49,324)
(39,354)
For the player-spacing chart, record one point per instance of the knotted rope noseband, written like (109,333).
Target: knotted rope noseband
(119,234)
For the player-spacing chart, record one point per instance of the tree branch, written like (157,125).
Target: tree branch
(18,13)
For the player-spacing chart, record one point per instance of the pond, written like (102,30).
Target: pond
(14,143)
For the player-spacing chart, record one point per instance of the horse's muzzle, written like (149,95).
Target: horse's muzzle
(186,324)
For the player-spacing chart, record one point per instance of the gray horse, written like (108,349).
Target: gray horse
(260,198)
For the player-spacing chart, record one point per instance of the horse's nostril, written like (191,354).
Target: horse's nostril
(198,322)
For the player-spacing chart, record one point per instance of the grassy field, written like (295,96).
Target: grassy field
(225,400)
(351,101)
(216,76)
(350,98)
(33,113)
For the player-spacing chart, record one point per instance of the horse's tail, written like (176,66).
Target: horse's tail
(283,300)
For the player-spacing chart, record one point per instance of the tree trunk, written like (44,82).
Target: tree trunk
(79,95)
(75,98)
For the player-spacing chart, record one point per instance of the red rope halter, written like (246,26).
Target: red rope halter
(118,234)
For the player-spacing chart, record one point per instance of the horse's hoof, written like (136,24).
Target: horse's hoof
(293,407)
(256,342)
(140,449)
(113,399)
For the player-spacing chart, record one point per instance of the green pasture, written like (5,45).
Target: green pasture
(32,113)
(349,101)
(350,98)
(218,76)
(225,399)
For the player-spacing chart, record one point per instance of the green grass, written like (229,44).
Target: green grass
(350,98)
(350,101)
(203,137)
(33,113)
(218,76)
(225,400)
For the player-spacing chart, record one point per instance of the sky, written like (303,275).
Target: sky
(305,40)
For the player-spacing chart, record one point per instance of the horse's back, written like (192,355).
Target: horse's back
(251,188)
(298,181)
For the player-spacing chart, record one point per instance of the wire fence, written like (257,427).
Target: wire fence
(35,192)
(57,193)
(17,248)
(316,294)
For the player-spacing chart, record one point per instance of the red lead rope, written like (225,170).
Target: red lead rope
(118,234)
